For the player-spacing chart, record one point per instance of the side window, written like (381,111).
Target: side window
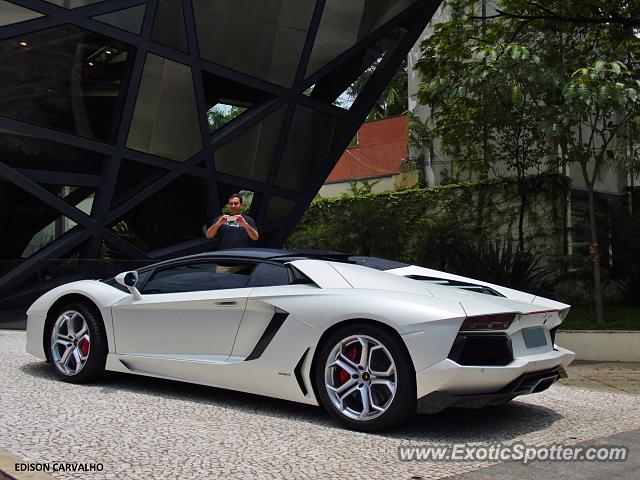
(196,277)
(269,275)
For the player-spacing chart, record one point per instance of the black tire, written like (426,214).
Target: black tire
(96,357)
(401,405)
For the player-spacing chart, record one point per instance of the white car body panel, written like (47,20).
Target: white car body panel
(208,337)
(102,295)
(507,292)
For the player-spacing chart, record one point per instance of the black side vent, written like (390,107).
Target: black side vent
(298,373)
(274,325)
(472,287)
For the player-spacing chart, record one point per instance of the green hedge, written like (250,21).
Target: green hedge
(440,227)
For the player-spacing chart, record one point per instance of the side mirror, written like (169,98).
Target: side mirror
(129,280)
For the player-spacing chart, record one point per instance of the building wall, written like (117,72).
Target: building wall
(381,145)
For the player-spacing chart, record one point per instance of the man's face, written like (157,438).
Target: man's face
(235,207)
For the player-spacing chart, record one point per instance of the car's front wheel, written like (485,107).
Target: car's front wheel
(77,343)
(365,378)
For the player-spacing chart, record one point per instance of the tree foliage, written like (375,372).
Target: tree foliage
(395,98)
(534,86)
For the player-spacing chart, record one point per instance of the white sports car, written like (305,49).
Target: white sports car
(372,347)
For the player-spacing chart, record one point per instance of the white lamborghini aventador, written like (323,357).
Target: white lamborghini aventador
(371,346)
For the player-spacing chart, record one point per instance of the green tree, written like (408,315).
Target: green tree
(601,102)
(524,92)
(395,98)
(218,117)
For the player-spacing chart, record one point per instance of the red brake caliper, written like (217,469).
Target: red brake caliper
(84,347)
(351,353)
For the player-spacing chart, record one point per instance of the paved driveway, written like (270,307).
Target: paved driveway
(147,428)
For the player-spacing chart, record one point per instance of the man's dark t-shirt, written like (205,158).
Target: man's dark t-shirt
(233,235)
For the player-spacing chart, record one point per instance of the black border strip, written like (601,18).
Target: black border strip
(274,325)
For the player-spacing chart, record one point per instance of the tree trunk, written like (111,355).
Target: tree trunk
(521,214)
(595,257)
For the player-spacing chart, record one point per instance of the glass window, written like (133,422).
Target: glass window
(165,119)
(24,151)
(168,26)
(197,277)
(345,22)
(73,3)
(32,224)
(172,215)
(81,198)
(269,275)
(311,136)
(250,154)
(129,19)
(262,39)
(11,13)
(227,100)
(134,177)
(64,78)
(278,209)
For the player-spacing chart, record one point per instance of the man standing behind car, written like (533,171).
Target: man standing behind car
(234,230)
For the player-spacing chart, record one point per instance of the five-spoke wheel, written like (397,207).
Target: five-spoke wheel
(365,378)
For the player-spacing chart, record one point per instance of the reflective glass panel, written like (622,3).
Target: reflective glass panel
(32,223)
(133,177)
(73,3)
(263,39)
(11,13)
(81,198)
(174,214)
(24,151)
(227,99)
(311,136)
(168,26)
(165,119)
(251,153)
(278,209)
(129,19)
(345,22)
(64,78)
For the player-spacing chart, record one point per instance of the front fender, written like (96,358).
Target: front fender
(100,294)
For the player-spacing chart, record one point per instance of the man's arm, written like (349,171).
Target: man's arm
(212,231)
(251,231)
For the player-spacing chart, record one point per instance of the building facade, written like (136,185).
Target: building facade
(377,155)
(125,124)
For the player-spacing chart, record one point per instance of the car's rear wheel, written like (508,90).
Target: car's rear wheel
(77,343)
(365,378)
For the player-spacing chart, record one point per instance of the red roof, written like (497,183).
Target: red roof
(381,145)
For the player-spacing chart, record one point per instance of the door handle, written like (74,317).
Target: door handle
(227,303)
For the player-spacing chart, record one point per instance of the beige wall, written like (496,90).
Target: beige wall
(336,189)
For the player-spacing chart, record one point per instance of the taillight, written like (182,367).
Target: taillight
(500,321)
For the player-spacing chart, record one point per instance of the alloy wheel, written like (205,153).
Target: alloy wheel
(360,377)
(70,342)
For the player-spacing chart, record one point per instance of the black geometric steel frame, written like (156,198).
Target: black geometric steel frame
(290,177)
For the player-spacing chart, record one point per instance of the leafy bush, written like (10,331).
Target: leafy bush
(453,228)
(499,262)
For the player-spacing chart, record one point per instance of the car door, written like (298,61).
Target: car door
(189,311)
